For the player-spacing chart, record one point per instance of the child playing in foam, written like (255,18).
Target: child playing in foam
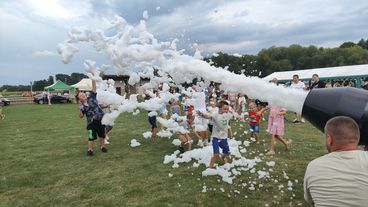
(220,132)
(276,126)
(185,139)
(254,120)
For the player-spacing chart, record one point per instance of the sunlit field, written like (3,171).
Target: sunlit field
(44,163)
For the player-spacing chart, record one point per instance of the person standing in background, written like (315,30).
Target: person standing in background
(2,115)
(299,85)
(316,82)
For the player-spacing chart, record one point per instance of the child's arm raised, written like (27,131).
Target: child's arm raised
(94,86)
(206,116)
(260,112)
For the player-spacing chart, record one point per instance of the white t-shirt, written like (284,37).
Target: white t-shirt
(220,125)
(199,101)
(298,85)
(338,179)
(211,110)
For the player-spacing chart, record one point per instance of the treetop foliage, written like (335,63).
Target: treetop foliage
(294,57)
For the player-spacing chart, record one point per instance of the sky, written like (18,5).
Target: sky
(31,29)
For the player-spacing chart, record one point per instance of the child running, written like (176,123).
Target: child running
(254,120)
(219,133)
(276,126)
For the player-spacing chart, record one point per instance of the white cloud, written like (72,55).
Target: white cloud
(43,53)
(230,47)
(60,9)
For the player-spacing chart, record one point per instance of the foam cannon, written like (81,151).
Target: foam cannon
(322,104)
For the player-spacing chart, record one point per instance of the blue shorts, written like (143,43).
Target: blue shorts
(254,128)
(152,121)
(220,143)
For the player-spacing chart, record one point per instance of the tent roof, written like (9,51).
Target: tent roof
(58,85)
(84,85)
(331,72)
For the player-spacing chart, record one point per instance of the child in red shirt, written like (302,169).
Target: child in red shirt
(255,116)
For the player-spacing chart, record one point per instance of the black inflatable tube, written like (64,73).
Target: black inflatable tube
(322,104)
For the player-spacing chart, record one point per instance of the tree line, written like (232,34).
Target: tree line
(39,85)
(294,57)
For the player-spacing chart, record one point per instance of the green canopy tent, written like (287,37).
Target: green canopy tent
(58,86)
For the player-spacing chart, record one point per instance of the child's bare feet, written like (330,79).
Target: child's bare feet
(271,152)
(288,144)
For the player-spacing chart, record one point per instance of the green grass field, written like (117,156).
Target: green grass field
(44,163)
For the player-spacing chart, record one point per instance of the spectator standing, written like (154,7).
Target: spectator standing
(339,178)
(2,115)
(49,97)
(316,82)
(299,85)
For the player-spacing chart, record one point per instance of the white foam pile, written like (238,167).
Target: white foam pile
(228,172)
(134,143)
(147,135)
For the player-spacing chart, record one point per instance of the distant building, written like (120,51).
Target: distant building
(122,86)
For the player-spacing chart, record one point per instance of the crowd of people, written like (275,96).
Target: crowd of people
(339,178)
(315,82)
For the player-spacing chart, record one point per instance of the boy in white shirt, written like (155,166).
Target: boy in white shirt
(220,132)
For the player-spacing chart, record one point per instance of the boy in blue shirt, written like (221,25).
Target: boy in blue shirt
(90,108)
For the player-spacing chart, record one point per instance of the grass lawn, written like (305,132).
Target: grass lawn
(44,163)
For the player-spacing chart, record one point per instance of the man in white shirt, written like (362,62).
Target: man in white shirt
(339,178)
(297,84)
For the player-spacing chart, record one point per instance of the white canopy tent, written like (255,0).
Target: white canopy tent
(83,85)
(352,71)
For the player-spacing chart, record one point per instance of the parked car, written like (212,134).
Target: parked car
(4,101)
(54,98)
